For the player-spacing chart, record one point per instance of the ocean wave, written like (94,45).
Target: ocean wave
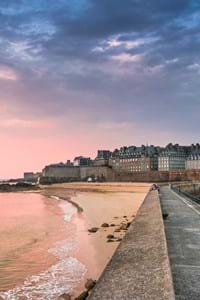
(60,278)
(68,209)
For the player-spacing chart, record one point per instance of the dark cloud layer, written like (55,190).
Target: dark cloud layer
(105,60)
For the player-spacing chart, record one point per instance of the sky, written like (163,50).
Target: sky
(82,75)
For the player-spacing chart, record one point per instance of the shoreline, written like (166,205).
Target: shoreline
(112,204)
(103,214)
(68,199)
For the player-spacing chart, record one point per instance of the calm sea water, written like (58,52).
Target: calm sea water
(37,246)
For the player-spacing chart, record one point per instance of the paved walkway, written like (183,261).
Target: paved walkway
(183,239)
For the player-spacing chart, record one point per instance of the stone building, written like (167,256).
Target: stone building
(103,154)
(102,158)
(82,161)
(193,162)
(173,157)
(28,176)
(134,164)
(171,160)
(31,176)
(135,159)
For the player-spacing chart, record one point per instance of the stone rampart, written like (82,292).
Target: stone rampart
(104,172)
(158,176)
(62,172)
(108,174)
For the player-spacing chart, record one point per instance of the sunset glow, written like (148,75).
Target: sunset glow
(101,75)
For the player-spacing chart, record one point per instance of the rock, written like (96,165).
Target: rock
(117,230)
(110,236)
(125,216)
(110,240)
(128,224)
(65,297)
(118,240)
(105,225)
(90,283)
(93,229)
(112,225)
(123,227)
(82,296)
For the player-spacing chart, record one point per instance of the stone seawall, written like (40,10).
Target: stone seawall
(55,174)
(158,176)
(97,171)
(139,269)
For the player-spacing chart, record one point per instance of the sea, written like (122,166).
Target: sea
(38,245)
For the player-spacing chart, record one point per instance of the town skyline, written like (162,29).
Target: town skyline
(92,154)
(131,159)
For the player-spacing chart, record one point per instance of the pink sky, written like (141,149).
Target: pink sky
(30,149)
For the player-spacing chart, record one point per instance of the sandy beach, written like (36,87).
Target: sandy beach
(115,204)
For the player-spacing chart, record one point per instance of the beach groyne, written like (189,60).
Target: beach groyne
(139,269)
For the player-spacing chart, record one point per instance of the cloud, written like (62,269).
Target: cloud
(126,57)
(7,73)
(88,62)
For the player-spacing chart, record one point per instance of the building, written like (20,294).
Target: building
(135,159)
(82,161)
(28,176)
(102,158)
(103,154)
(193,162)
(134,164)
(31,176)
(171,160)
(173,157)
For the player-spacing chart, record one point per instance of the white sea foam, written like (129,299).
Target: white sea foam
(60,278)
(68,209)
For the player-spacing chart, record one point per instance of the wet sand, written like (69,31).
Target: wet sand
(98,203)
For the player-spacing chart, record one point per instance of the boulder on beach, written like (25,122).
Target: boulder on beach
(105,225)
(123,227)
(93,229)
(119,240)
(82,296)
(110,240)
(90,283)
(128,224)
(65,297)
(110,236)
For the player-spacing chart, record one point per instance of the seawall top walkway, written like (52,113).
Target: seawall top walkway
(139,269)
(182,229)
